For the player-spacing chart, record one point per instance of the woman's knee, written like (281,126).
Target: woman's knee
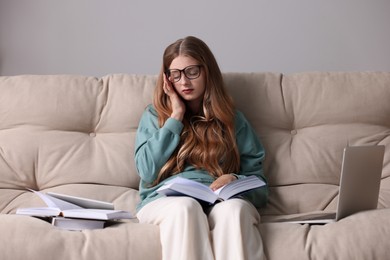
(236,209)
(185,206)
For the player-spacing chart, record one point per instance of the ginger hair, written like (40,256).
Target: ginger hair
(208,140)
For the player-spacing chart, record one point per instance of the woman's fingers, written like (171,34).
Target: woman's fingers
(222,181)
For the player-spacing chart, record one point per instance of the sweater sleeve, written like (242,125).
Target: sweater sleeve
(154,145)
(251,159)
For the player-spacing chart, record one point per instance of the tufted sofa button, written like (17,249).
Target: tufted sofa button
(294,132)
(92,134)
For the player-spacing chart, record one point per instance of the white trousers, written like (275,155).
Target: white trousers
(228,230)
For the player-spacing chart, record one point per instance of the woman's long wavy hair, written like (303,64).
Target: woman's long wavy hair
(208,140)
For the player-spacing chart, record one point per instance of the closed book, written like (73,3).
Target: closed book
(77,224)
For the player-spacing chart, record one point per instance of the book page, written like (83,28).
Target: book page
(83,202)
(52,202)
(237,187)
(182,186)
(41,212)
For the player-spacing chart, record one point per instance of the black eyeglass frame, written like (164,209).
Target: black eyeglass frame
(168,73)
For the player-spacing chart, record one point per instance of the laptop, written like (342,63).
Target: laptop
(361,173)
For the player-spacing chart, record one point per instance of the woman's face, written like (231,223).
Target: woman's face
(191,90)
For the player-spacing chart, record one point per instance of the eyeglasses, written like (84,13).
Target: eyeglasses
(191,72)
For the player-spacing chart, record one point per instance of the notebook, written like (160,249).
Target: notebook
(361,173)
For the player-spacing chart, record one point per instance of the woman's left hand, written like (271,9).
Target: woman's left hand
(222,181)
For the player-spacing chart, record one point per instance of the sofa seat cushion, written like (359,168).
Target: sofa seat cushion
(35,239)
(360,236)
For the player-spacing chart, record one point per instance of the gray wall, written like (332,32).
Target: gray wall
(98,37)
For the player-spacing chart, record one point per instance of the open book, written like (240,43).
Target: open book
(74,207)
(180,186)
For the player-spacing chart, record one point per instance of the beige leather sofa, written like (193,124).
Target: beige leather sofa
(75,135)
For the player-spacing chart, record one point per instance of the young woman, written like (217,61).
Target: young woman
(192,130)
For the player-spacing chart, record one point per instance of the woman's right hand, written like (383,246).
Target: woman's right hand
(178,106)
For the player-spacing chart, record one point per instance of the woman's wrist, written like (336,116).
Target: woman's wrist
(177,116)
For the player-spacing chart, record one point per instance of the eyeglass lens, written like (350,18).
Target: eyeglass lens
(191,72)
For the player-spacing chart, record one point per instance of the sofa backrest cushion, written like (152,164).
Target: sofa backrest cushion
(57,130)
(304,121)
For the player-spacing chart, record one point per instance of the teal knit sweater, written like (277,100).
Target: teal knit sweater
(155,145)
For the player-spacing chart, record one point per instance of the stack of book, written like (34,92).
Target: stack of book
(74,213)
